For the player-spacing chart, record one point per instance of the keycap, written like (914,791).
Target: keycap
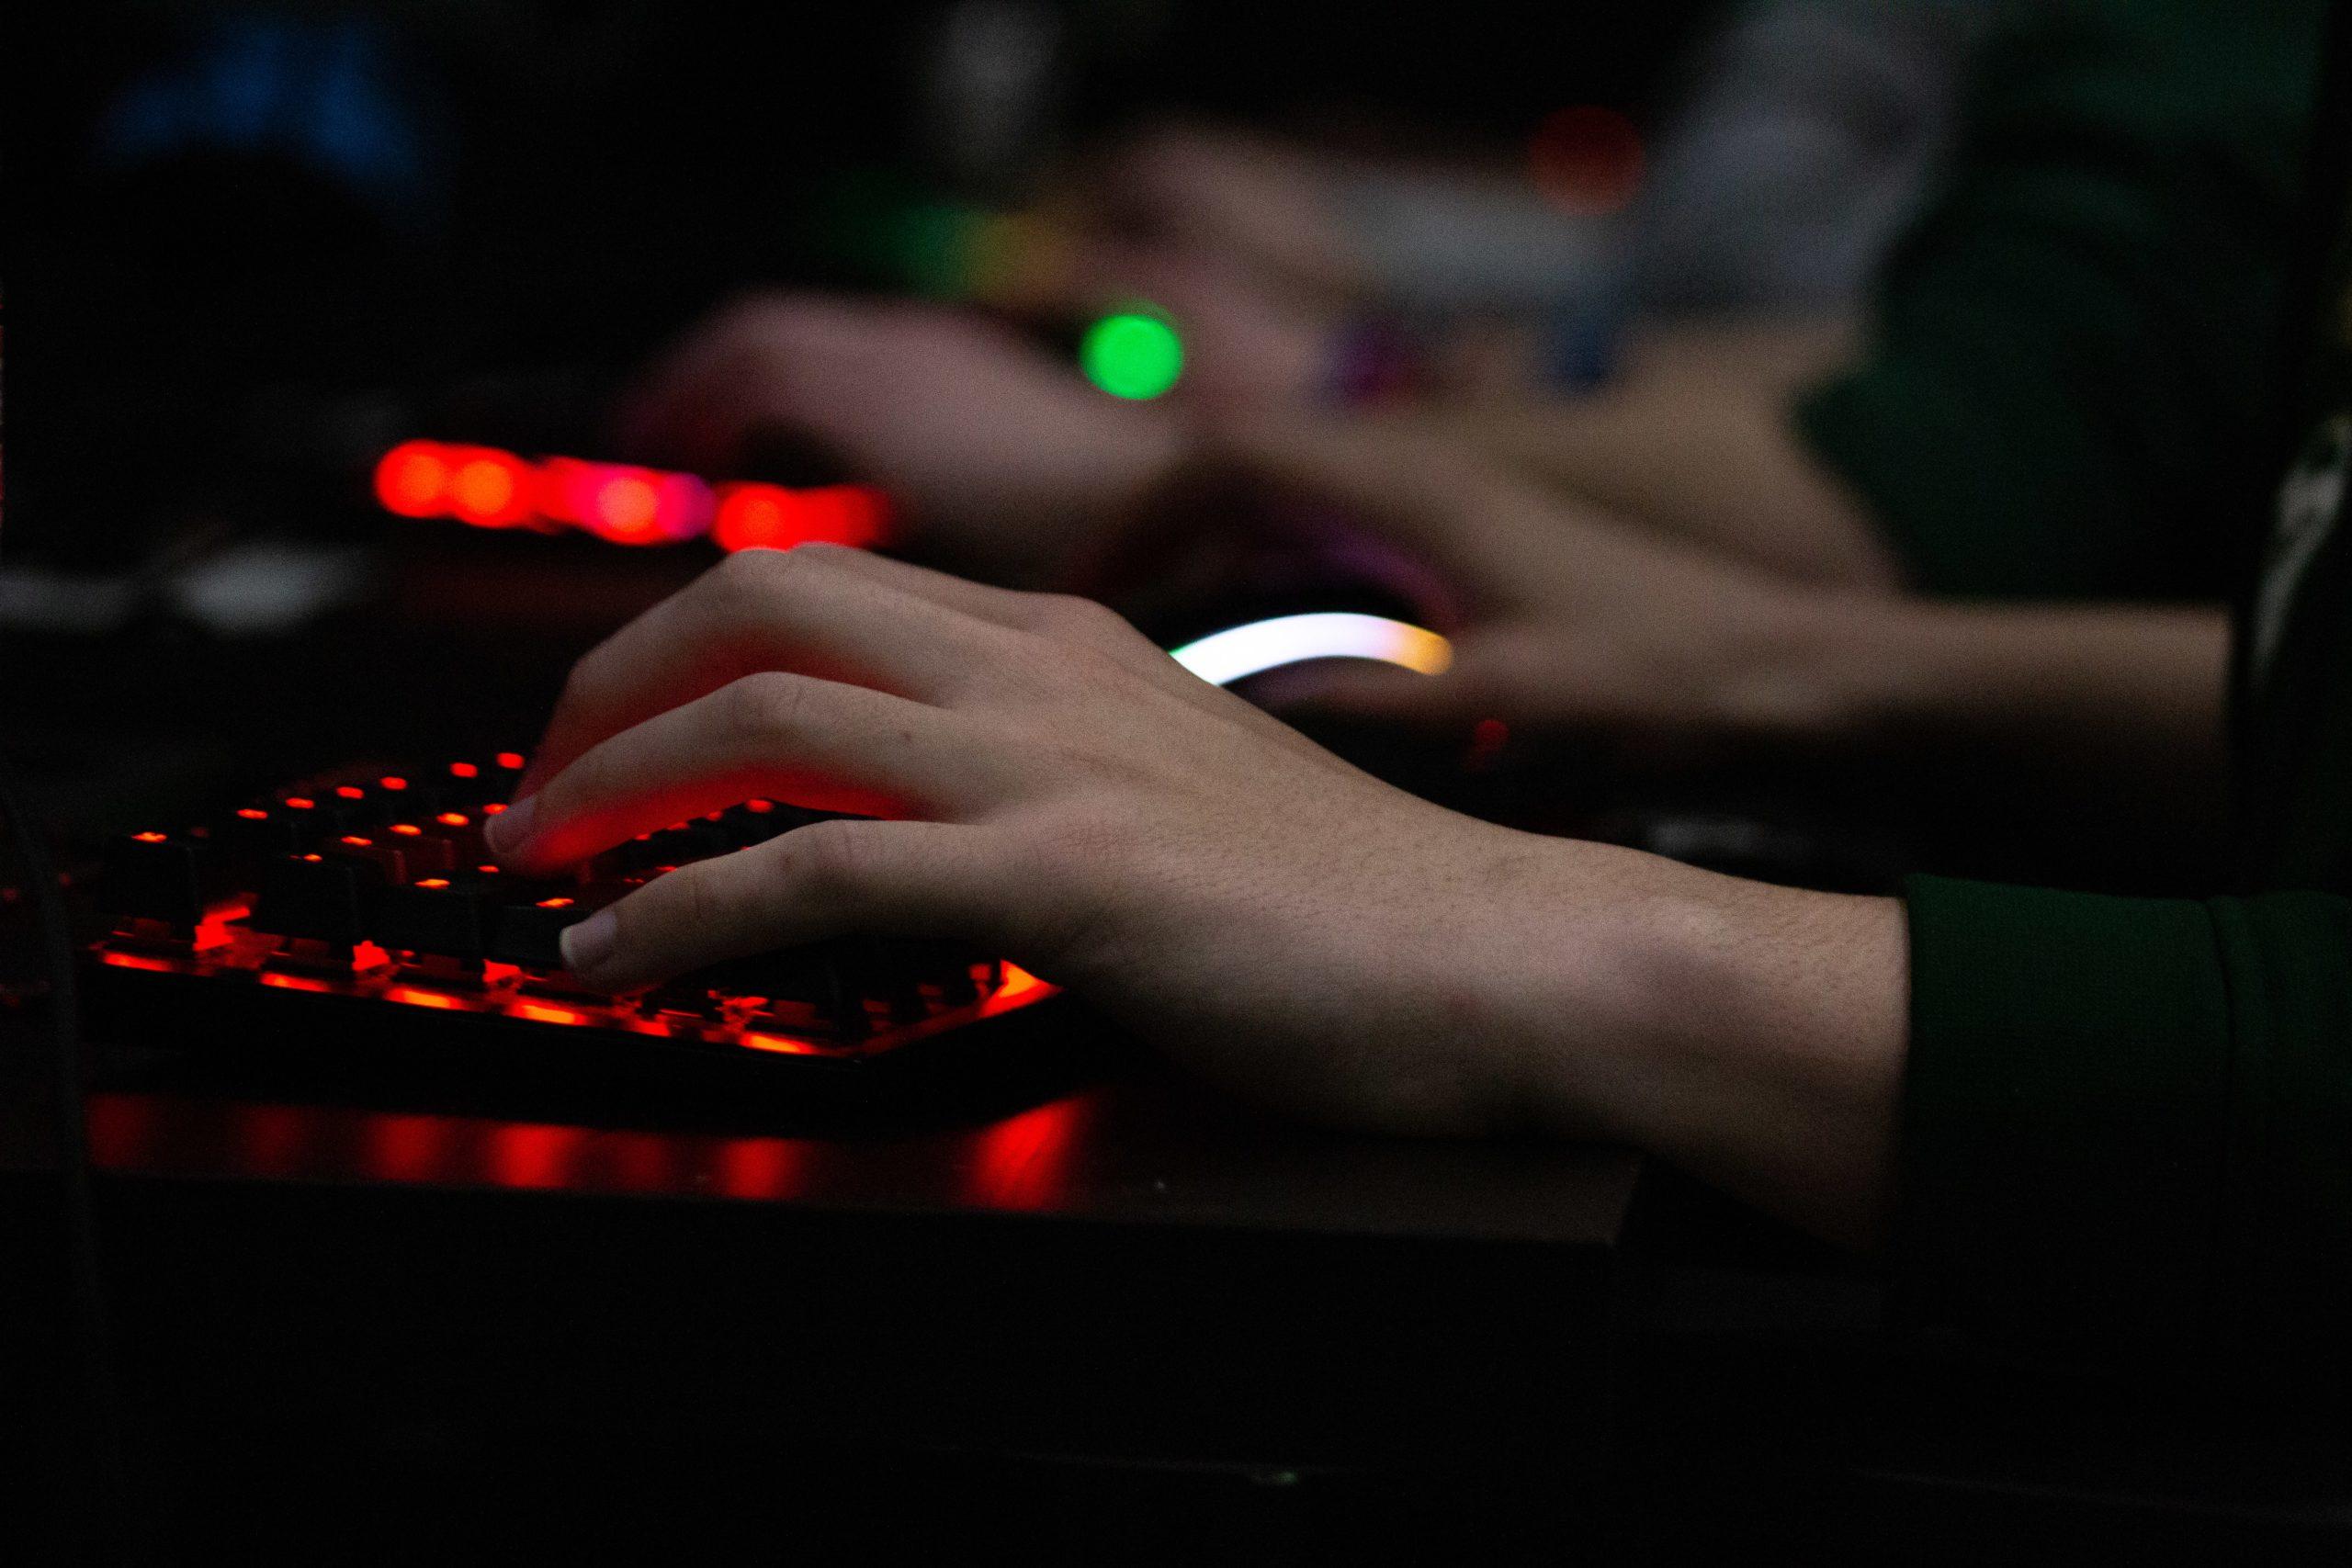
(153,877)
(527,933)
(434,915)
(697,839)
(260,832)
(808,975)
(315,897)
(391,866)
(355,808)
(424,851)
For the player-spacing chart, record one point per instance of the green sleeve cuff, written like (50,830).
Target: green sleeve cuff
(2126,1132)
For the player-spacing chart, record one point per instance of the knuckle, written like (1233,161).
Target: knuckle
(591,780)
(1066,618)
(744,599)
(705,903)
(767,706)
(831,858)
(742,585)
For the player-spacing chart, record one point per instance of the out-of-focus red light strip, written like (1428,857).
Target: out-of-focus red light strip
(621,503)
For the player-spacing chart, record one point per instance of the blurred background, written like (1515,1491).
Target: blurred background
(256,249)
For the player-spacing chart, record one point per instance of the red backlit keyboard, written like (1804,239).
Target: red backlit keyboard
(362,896)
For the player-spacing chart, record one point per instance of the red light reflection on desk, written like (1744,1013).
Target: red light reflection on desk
(760,1168)
(406,1149)
(525,1154)
(1024,1160)
(162,1133)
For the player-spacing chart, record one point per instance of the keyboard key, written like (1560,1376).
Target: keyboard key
(153,877)
(356,808)
(258,833)
(313,898)
(391,866)
(434,915)
(528,934)
(807,977)
(424,852)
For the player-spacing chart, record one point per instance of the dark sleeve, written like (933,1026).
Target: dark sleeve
(2127,1131)
(2075,372)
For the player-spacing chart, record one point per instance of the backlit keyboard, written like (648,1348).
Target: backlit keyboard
(352,898)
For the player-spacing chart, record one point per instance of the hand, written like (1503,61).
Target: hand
(1565,619)
(998,454)
(1063,792)
(1065,795)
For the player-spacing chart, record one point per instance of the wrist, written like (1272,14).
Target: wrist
(1752,1035)
(1809,666)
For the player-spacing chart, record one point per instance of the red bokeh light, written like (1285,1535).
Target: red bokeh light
(413,479)
(770,517)
(624,510)
(491,489)
(619,503)
(683,507)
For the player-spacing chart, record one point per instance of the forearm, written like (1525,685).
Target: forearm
(1697,442)
(1767,356)
(1756,1035)
(2115,705)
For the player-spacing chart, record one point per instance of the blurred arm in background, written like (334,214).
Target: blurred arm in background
(2068,384)
(1569,621)
(1799,141)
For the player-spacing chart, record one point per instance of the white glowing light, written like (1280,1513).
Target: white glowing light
(1238,652)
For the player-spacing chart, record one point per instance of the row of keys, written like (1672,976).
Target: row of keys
(324,868)
(171,877)
(340,902)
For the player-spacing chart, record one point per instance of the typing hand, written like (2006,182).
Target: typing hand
(999,455)
(1056,788)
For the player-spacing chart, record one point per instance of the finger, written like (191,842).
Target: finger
(825,880)
(820,744)
(809,610)
(1082,623)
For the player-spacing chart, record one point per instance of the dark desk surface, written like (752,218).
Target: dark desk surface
(1123,1295)
(1139,1272)
(1137,1157)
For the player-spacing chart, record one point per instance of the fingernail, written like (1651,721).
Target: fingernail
(511,829)
(590,942)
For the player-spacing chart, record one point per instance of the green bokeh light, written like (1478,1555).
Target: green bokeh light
(1132,355)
